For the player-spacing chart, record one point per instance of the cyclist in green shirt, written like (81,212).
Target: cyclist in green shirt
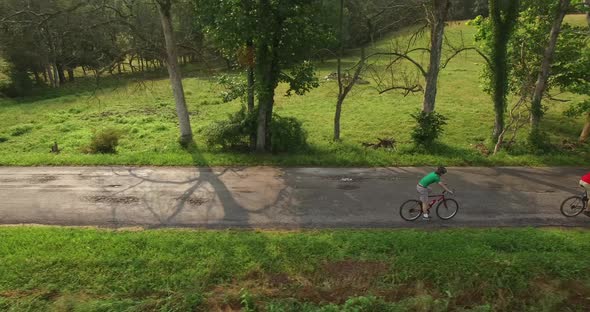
(424,189)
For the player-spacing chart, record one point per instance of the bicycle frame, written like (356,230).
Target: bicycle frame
(439,198)
(585,195)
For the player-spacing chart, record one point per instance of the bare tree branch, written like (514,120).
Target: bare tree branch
(408,90)
(404,56)
(458,51)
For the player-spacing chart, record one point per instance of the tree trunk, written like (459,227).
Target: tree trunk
(84,71)
(119,68)
(499,121)
(267,80)
(56,78)
(62,76)
(50,75)
(71,74)
(38,80)
(250,88)
(186,134)
(337,118)
(275,71)
(45,75)
(437,27)
(586,131)
(264,102)
(343,89)
(251,101)
(503,16)
(339,73)
(266,89)
(131,64)
(264,80)
(250,96)
(541,84)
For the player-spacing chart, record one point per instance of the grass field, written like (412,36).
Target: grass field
(66,269)
(143,109)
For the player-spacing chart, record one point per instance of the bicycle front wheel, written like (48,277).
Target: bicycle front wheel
(410,210)
(447,208)
(573,206)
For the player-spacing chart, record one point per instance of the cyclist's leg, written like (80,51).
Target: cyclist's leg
(423,197)
(586,186)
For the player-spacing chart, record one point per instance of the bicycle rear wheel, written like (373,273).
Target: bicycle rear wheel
(410,210)
(573,206)
(447,208)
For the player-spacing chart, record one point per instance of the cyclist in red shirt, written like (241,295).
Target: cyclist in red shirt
(585,183)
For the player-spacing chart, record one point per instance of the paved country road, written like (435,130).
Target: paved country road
(270,197)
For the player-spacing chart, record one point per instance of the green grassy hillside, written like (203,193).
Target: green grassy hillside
(144,112)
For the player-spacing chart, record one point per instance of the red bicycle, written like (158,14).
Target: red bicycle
(446,208)
(574,205)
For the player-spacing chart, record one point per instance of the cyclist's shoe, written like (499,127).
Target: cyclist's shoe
(425,217)
(587,213)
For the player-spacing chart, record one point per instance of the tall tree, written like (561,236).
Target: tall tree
(284,35)
(186,134)
(586,130)
(540,85)
(571,67)
(437,18)
(345,82)
(231,26)
(503,17)
(525,56)
(287,34)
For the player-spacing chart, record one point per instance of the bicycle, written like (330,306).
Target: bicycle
(446,209)
(574,205)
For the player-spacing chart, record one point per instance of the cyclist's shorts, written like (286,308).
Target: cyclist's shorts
(585,185)
(424,191)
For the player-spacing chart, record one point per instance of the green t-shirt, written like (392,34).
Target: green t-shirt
(429,179)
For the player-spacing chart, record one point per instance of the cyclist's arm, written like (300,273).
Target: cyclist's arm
(444,186)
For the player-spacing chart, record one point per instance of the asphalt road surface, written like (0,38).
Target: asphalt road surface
(271,197)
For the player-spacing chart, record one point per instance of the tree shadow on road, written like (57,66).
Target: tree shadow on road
(205,197)
(234,213)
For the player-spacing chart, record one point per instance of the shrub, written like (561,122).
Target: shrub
(104,142)
(287,134)
(20,84)
(539,142)
(429,126)
(20,130)
(232,133)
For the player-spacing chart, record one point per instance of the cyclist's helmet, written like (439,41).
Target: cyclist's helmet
(441,170)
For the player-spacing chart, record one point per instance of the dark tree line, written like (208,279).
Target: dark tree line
(44,41)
